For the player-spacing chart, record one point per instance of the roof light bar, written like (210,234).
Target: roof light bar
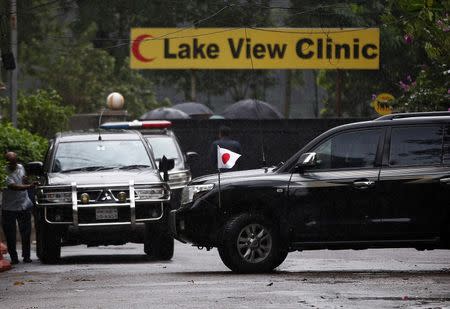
(136,124)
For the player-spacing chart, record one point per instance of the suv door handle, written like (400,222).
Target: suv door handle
(363,184)
(445,181)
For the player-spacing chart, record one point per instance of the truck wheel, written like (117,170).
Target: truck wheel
(158,242)
(250,245)
(281,257)
(49,240)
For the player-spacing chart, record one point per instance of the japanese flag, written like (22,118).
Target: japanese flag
(226,158)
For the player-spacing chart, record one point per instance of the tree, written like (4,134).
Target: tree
(425,28)
(115,19)
(52,56)
(84,75)
(41,112)
(29,147)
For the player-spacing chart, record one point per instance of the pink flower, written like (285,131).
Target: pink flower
(404,86)
(408,38)
(374,96)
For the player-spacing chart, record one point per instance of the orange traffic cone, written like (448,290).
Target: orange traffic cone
(4,264)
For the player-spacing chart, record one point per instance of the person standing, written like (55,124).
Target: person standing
(224,141)
(16,206)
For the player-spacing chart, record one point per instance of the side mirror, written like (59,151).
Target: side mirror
(35,168)
(190,155)
(306,160)
(166,165)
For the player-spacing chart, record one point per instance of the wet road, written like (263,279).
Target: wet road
(123,277)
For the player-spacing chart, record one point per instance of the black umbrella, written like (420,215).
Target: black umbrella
(163,113)
(193,108)
(251,109)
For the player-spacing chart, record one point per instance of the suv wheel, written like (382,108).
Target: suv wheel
(158,242)
(49,243)
(250,245)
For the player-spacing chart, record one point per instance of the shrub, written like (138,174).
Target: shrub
(29,147)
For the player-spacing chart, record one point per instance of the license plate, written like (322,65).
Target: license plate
(106,214)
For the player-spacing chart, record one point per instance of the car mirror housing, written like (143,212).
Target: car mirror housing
(191,155)
(166,165)
(35,168)
(306,160)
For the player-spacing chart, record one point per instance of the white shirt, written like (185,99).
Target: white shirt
(16,200)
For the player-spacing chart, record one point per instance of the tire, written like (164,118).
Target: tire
(281,257)
(49,243)
(250,244)
(158,242)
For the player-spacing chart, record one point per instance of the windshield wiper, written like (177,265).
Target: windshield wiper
(87,168)
(134,166)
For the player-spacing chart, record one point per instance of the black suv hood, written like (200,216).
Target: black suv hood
(140,176)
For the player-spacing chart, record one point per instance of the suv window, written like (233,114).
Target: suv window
(446,155)
(349,150)
(418,145)
(164,146)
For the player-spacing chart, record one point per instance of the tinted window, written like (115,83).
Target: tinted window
(349,150)
(416,146)
(447,145)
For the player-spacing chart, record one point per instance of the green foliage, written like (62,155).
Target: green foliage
(41,112)
(425,28)
(357,86)
(82,74)
(429,92)
(29,147)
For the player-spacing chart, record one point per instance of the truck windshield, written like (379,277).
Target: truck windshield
(96,155)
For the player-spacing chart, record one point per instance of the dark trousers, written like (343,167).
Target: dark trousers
(23,218)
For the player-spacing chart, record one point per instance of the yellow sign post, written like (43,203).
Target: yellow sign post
(258,48)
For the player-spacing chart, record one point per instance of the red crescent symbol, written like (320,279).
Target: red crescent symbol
(135,48)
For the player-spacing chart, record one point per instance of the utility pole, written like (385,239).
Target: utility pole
(13,73)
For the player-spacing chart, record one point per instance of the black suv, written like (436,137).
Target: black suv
(101,190)
(375,184)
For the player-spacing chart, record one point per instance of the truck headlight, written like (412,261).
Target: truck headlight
(190,192)
(179,179)
(150,193)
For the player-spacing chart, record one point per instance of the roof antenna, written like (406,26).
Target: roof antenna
(99,123)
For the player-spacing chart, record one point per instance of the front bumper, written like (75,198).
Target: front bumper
(76,214)
(197,228)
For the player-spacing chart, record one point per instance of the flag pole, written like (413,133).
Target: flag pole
(218,175)
(219,189)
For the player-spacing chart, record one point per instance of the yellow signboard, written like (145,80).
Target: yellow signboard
(259,48)
(382,105)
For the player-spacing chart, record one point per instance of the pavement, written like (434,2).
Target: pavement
(123,277)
